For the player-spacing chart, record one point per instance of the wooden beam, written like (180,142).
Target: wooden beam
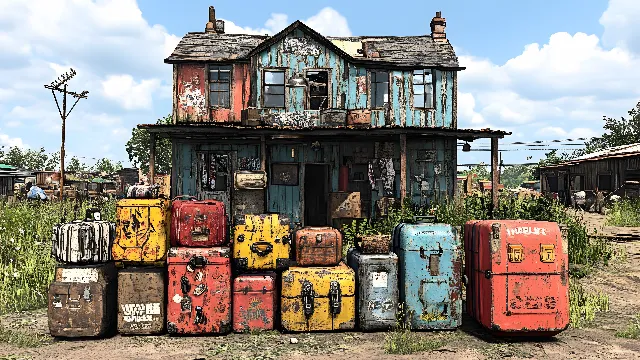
(152,160)
(263,153)
(494,175)
(403,167)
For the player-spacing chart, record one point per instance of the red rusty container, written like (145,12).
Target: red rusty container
(518,279)
(254,302)
(318,246)
(199,292)
(343,178)
(198,223)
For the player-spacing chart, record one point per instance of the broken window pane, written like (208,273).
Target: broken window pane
(273,100)
(318,89)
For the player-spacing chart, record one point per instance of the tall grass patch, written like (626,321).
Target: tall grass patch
(585,305)
(632,331)
(26,266)
(624,213)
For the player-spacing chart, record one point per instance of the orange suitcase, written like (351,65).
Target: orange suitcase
(517,274)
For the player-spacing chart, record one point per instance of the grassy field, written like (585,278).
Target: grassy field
(624,213)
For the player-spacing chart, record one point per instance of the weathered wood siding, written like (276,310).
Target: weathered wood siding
(432,171)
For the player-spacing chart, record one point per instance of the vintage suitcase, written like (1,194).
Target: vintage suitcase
(345,205)
(198,223)
(429,274)
(359,117)
(517,273)
(376,289)
(143,191)
(318,246)
(254,302)
(142,231)
(83,241)
(249,180)
(141,300)
(261,242)
(318,298)
(199,298)
(374,244)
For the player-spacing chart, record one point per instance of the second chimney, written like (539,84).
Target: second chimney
(211,25)
(438,25)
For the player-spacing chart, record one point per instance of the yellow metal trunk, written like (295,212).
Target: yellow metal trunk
(261,242)
(318,298)
(142,231)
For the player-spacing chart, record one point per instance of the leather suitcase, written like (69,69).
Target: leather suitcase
(254,302)
(85,241)
(261,242)
(141,300)
(318,246)
(199,298)
(198,223)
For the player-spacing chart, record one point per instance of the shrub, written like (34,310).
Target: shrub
(624,213)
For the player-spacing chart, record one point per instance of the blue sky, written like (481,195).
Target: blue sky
(544,70)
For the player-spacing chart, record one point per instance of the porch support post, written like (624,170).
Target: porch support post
(403,167)
(494,175)
(263,153)
(152,159)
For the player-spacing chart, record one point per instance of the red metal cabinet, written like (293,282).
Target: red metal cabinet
(518,280)
(198,223)
(254,302)
(199,293)
(318,246)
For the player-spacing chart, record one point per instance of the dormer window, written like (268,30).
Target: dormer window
(422,89)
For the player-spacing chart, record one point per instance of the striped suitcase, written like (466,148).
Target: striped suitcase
(83,241)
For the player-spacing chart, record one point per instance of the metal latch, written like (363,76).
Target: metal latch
(86,295)
(547,253)
(196,262)
(515,253)
(335,297)
(262,248)
(307,298)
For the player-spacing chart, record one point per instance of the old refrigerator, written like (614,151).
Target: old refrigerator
(376,289)
(429,274)
(199,292)
(261,242)
(318,298)
(518,280)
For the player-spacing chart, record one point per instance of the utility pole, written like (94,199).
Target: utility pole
(55,86)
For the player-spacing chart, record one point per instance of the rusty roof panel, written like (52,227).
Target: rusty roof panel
(615,152)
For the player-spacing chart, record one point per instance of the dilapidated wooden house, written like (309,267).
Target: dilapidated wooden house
(323,117)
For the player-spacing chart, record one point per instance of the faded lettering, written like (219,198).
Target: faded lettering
(533,303)
(79,275)
(527,230)
(140,312)
(378,279)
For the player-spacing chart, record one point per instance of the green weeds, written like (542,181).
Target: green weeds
(624,213)
(22,339)
(584,305)
(632,331)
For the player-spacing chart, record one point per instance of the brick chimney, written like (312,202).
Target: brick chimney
(211,25)
(438,24)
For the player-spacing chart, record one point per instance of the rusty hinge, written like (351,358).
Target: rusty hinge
(335,297)
(307,298)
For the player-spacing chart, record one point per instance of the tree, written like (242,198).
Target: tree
(617,132)
(107,166)
(53,162)
(552,158)
(514,176)
(25,159)
(76,166)
(481,172)
(138,149)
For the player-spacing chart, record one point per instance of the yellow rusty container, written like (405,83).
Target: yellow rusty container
(261,242)
(142,231)
(318,298)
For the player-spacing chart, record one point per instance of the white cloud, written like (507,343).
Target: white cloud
(620,21)
(130,94)
(7,142)
(327,21)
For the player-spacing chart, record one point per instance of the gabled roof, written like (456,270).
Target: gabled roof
(400,51)
(612,152)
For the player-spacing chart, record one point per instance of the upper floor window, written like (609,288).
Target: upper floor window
(219,85)
(379,88)
(318,89)
(273,89)
(422,89)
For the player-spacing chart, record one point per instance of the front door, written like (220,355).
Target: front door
(316,194)
(214,177)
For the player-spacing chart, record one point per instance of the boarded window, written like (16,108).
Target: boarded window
(220,86)
(553,183)
(379,89)
(274,89)
(284,174)
(605,182)
(213,171)
(422,89)
(318,89)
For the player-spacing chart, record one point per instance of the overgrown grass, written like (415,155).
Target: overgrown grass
(584,305)
(26,266)
(22,339)
(624,213)
(632,331)
(405,342)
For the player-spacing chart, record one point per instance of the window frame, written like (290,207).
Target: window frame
(264,84)
(373,88)
(424,85)
(229,82)
(611,184)
(208,155)
(308,90)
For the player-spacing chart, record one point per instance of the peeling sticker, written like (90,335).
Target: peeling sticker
(140,312)
(378,279)
(177,298)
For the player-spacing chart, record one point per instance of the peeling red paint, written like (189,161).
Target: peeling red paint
(192,99)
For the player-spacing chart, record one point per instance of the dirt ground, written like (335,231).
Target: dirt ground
(621,281)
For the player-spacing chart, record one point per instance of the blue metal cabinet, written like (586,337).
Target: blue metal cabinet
(376,289)
(430,274)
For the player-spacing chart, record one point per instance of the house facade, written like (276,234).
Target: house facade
(320,115)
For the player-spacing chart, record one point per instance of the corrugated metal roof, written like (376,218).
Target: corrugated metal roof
(613,151)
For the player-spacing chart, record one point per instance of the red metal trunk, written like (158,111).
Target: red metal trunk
(199,293)
(254,302)
(198,223)
(518,280)
(318,246)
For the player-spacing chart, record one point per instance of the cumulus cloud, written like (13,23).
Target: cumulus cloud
(130,94)
(327,22)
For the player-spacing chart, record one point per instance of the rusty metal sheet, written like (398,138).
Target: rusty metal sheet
(345,205)
(318,246)
(247,202)
(250,180)
(333,117)
(251,117)
(141,300)
(384,204)
(284,174)
(360,117)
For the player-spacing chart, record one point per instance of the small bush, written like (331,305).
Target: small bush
(624,213)
(584,306)
(405,342)
(632,331)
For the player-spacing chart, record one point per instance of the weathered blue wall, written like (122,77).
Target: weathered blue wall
(348,87)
